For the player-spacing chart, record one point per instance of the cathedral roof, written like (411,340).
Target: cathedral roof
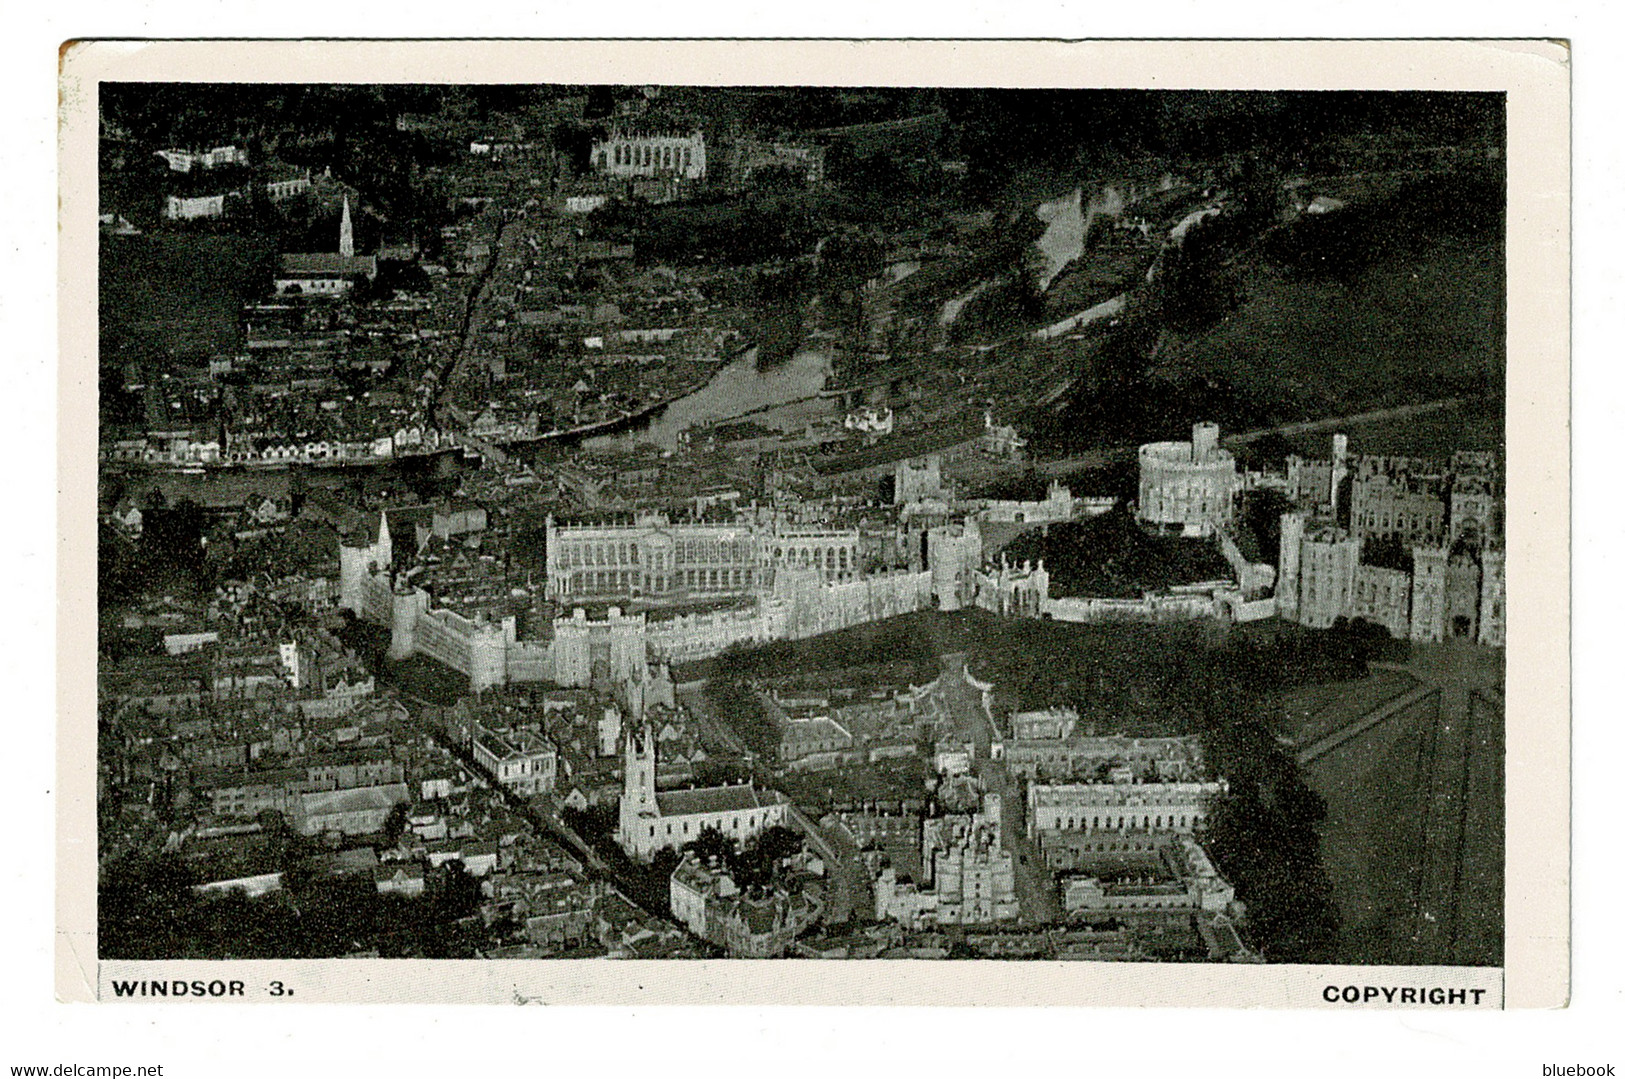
(329,264)
(714,800)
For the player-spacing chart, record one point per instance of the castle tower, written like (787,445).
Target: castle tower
(637,787)
(1286,581)
(359,563)
(1428,592)
(408,603)
(353,577)
(346,234)
(1340,469)
(572,650)
(628,647)
(487,657)
(1204,440)
(953,553)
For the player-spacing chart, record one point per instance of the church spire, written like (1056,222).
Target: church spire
(346,236)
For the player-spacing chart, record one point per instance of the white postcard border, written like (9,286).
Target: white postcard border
(1535,77)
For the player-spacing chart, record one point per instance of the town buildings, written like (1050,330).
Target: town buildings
(653,820)
(521,760)
(744,925)
(948,870)
(326,274)
(1112,807)
(1048,757)
(486,443)
(187,160)
(1139,874)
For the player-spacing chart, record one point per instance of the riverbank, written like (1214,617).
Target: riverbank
(739,388)
(231,486)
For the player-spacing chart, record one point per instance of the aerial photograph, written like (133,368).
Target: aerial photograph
(796,522)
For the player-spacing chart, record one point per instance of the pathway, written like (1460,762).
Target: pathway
(1034,888)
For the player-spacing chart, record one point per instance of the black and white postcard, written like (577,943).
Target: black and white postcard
(692,522)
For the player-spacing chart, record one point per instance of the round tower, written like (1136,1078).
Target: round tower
(353,577)
(488,657)
(407,603)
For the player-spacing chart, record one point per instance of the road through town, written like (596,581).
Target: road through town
(973,721)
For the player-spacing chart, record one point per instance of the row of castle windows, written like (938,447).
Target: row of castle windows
(599,554)
(1146,904)
(1136,820)
(699,551)
(1428,524)
(1129,845)
(646,156)
(714,551)
(595,582)
(833,558)
(628,553)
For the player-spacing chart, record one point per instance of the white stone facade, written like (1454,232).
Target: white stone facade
(669,155)
(1188,486)
(1120,807)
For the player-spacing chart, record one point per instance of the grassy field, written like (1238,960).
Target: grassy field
(1479,920)
(1111,555)
(1392,300)
(1129,679)
(1371,841)
(1477,424)
(1311,712)
(1409,328)
(1414,833)
(1116,674)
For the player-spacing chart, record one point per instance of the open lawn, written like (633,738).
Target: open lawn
(1478,424)
(179,294)
(1130,679)
(1414,831)
(1390,301)
(1112,672)
(1312,712)
(1370,840)
(1412,329)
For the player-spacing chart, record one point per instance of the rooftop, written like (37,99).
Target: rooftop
(714,800)
(328,264)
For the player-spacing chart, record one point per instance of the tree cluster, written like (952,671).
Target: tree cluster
(754,865)
(1111,555)
(148,910)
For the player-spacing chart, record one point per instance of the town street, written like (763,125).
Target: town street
(1034,888)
